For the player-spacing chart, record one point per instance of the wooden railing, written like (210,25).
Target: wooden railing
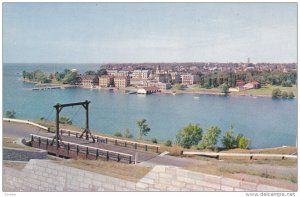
(115,141)
(73,150)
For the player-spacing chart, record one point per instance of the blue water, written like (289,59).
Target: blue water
(267,122)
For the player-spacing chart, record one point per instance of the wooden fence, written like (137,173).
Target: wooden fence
(73,150)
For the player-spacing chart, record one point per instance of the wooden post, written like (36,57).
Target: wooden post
(116,142)
(61,132)
(282,157)
(76,135)
(87,152)
(39,142)
(68,149)
(135,145)
(77,147)
(31,138)
(129,161)
(98,139)
(125,144)
(118,157)
(106,140)
(251,157)
(68,133)
(97,153)
(217,157)
(47,144)
(157,149)
(107,156)
(146,148)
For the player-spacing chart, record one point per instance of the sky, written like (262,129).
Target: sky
(149,32)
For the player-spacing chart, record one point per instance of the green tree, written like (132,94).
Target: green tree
(127,134)
(90,72)
(101,72)
(10,114)
(143,128)
(70,78)
(244,143)
(284,94)
(224,88)
(154,140)
(229,140)
(210,138)
(291,95)
(276,93)
(189,135)
(65,120)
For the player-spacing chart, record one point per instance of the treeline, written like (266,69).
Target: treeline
(213,80)
(37,76)
(192,135)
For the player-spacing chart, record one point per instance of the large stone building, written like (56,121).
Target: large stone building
(140,74)
(121,82)
(106,81)
(189,79)
(89,80)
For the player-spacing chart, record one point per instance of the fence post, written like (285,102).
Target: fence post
(98,139)
(157,149)
(146,148)
(129,160)
(135,145)
(39,142)
(77,147)
(125,144)
(31,138)
(68,133)
(47,144)
(68,149)
(106,140)
(118,157)
(76,135)
(61,132)
(87,152)
(116,142)
(107,157)
(97,153)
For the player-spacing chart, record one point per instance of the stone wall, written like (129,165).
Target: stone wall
(23,155)
(44,175)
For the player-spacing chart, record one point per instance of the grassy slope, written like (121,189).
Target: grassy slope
(267,90)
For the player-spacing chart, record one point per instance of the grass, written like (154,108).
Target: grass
(15,165)
(277,150)
(267,90)
(109,168)
(11,143)
(229,171)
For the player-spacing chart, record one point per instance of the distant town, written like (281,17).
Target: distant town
(148,78)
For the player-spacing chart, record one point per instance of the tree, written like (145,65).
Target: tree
(70,78)
(90,72)
(284,94)
(154,140)
(244,143)
(291,95)
(224,88)
(10,114)
(276,93)
(65,120)
(143,128)
(229,140)
(210,138)
(127,134)
(101,72)
(189,135)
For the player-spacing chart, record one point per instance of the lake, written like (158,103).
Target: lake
(267,122)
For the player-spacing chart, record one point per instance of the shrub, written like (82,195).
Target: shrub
(276,93)
(284,94)
(154,140)
(189,135)
(117,134)
(168,143)
(127,134)
(244,143)
(210,138)
(65,120)
(10,114)
(291,95)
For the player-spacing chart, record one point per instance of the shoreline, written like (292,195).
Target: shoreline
(135,89)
